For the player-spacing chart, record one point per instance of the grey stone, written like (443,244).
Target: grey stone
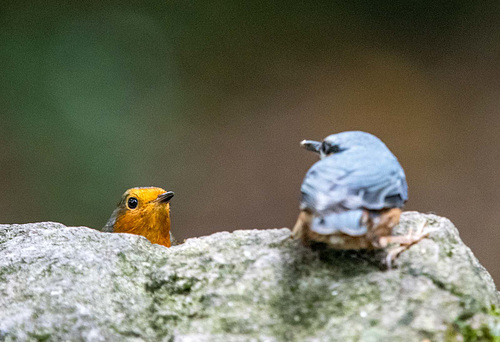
(62,283)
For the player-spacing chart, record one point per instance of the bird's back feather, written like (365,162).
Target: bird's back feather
(357,179)
(347,222)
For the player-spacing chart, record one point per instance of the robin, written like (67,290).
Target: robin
(352,197)
(143,211)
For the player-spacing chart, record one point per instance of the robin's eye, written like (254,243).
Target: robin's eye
(328,149)
(132,202)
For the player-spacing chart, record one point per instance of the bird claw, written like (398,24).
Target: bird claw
(404,242)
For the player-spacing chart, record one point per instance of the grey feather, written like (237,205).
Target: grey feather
(347,222)
(110,224)
(365,175)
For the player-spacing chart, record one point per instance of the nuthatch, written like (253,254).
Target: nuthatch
(352,197)
(143,211)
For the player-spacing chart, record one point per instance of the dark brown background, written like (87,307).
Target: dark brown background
(212,100)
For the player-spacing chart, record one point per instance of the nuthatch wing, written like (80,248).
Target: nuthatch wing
(352,197)
(143,211)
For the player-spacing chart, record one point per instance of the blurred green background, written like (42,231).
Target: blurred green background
(211,100)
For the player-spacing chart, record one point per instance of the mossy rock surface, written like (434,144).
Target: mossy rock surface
(62,283)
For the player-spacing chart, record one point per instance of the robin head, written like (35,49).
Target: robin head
(143,211)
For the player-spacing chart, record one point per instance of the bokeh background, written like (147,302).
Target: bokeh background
(210,99)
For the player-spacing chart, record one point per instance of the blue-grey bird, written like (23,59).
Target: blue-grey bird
(352,197)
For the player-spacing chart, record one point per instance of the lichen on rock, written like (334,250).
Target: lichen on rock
(74,283)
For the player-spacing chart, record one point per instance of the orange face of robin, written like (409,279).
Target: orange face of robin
(143,211)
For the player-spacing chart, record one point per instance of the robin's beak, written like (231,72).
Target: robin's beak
(311,145)
(165,197)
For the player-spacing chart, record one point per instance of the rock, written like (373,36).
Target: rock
(62,283)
